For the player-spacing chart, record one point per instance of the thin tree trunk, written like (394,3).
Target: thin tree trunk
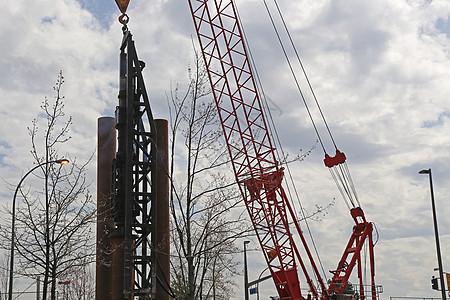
(53,286)
(47,227)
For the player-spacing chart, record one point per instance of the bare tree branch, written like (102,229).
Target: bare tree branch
(54,232)
(204,205)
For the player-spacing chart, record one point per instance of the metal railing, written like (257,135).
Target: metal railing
(23,295)
(357,293)
(414,298)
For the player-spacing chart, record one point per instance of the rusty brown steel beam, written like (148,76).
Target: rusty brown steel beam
(162,220)
(106,139)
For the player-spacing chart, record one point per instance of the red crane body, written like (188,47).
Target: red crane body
(254,162)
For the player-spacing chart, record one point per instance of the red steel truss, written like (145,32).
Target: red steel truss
(254,162)
(362,232)
(252,154)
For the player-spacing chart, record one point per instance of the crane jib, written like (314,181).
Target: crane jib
(249,145)
(255,165)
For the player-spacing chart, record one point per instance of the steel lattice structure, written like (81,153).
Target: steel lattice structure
(254,162)
(252,154)
(134,206)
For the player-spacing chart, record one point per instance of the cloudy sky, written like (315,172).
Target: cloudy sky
(380,70)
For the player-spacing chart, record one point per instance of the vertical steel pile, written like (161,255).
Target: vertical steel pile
(162,197)
(106,139)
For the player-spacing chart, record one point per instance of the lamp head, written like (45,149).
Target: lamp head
(425,171)
(63,161)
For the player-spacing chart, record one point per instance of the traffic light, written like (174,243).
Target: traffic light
(434,283)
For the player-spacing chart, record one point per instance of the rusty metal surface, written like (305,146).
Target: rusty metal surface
(106,139)
(162,221)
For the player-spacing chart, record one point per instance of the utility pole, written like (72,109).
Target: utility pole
(246,271)
(436,234)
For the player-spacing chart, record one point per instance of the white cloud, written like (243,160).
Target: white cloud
(381,72)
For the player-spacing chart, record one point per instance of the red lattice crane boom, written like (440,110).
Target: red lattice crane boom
(253,158)
(252,153)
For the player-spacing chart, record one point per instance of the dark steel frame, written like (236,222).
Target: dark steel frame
(134,205)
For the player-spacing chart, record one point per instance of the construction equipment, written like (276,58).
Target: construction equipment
(134,173)
(133,191)
(257,170)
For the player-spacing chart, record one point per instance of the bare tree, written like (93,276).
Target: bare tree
(80,283)
(53,221)
(4,274)
(206,209)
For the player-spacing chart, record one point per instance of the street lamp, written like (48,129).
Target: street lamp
(436,234)
(259,280)
(13,218)
(245,270)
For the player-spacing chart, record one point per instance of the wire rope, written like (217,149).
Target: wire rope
(352,185)
(293,74)
(347,181)
(272,130)
(337,165)
(340,188)
(304,72)
(315,129)
(275,136)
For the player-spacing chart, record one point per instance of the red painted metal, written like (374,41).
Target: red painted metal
(339,158)
(257,171)
(362,233)
(252,153)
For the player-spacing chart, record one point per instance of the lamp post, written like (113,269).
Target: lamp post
(436,234)
(13,219)
(259,280)
(245,271)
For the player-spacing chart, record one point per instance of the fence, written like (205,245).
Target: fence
(24,296)
(414,298)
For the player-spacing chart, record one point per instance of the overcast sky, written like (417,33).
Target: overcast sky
(380,70)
